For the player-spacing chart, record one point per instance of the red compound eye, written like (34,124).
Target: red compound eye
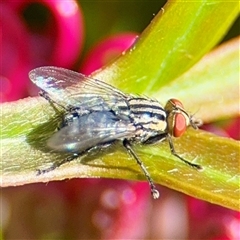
(177,103)
(180,125)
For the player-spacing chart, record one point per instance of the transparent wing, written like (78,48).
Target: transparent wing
(89,131)
(70,88)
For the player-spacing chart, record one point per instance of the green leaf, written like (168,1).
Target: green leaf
(179,36)
(210,88)
(176,39)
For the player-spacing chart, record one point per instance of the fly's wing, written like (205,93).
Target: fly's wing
(69,88)
(89,131)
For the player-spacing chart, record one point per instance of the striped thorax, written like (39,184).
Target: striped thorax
(148,116)
(152,120)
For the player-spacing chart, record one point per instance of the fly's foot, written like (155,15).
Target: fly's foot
(46,170)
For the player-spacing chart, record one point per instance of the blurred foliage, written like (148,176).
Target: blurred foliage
(103,18)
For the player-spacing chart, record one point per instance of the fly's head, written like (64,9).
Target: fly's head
(178,119)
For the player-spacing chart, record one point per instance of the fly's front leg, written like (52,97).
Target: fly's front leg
(196,166)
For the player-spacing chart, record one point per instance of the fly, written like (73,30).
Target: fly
(96,115)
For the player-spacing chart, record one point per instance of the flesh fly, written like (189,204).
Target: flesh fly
(96,115)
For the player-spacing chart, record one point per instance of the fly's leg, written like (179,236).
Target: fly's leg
(51,102)
(70,158)
(196,166)
(45,95)
(154,191)
(57,164)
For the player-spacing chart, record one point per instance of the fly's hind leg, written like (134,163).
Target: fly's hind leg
(72,157)
(58,164)
(54,104)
